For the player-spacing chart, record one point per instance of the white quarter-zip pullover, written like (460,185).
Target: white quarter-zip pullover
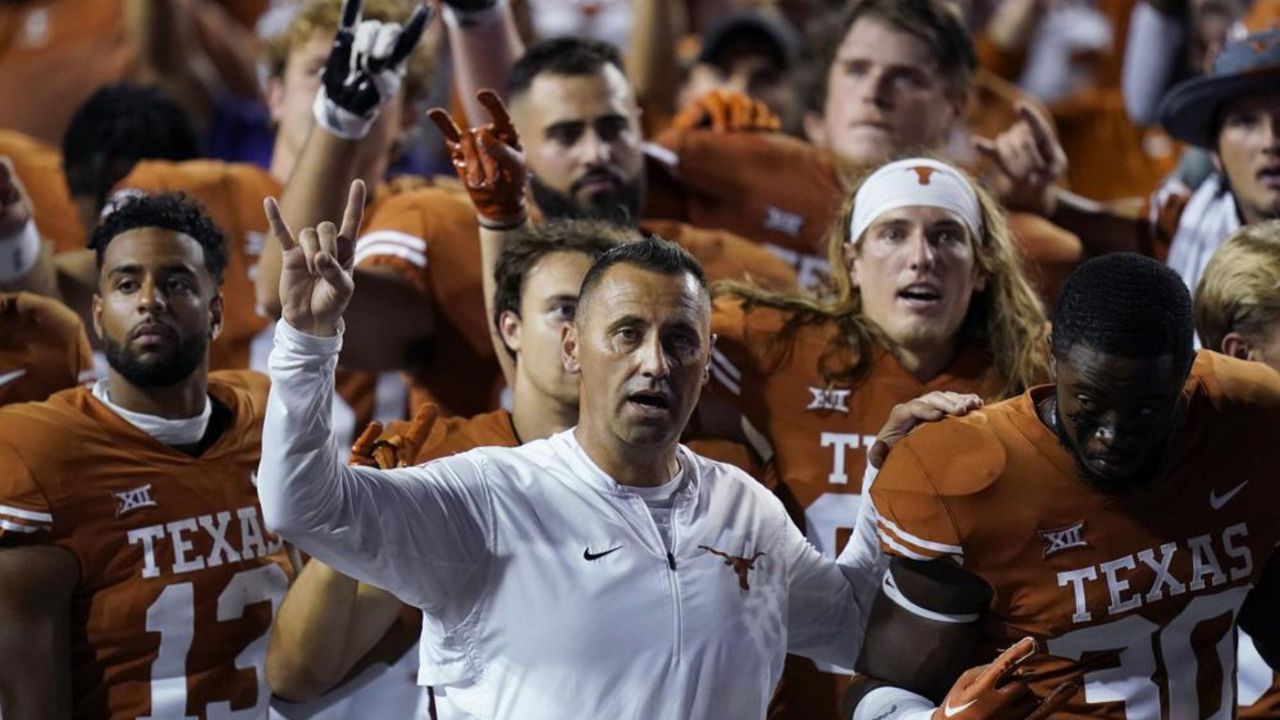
(547,589)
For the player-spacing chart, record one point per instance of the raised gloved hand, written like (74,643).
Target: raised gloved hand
(364,69)
(1000,692)
(727,111)
(489,162)
(398,449)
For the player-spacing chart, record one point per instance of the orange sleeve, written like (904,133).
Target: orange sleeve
(395,237)
(25,513)
(912,520)
(768,187)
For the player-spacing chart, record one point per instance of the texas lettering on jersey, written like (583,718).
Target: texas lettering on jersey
(179,576)
(1134,596)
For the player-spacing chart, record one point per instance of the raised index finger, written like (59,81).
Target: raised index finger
(411,34)
(444,122)
(1040,128)
(350,15)
(279,227)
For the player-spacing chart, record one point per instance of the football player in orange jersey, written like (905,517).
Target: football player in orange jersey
(137,578)
(537,280)
(1077,514)
(931,298)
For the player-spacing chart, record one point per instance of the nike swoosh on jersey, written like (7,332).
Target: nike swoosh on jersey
(9,377)
(953,711)
(1217,501)
(588,555)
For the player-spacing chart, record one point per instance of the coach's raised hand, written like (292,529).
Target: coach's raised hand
(316,267)
(489,162)
(364,69)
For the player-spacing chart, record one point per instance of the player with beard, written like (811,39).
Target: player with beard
(136,574)
(1077,513)
(585,158)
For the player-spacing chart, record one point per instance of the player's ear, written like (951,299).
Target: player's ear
(706,368)
(849,252)
(1235,345)
(509,329)
(215,317)
(569,348)
(96,312)
(275,98)
(814,130)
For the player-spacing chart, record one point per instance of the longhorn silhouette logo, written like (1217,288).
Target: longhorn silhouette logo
(741,565)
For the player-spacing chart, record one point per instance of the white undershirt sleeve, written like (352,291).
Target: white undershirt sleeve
(1155,41)
(423,533)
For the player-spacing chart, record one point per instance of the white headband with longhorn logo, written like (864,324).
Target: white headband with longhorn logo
(914,182)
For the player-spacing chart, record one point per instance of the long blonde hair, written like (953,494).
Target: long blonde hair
(1006,319)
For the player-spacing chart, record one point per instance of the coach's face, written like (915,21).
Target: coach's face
(642,344)
(885,97)
(157,307)
(1115,414)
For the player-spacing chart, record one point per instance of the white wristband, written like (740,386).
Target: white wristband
(19,252)
(469,20)
(893,703)
(338,121)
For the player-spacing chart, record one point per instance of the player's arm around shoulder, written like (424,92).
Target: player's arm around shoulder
(36,585)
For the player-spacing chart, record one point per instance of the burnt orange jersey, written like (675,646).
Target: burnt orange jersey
(53,55)
(432,238)
(39,167)
(179,577)
(43,348)
(769,187)
(1133,597)
(815,433)
(232,195)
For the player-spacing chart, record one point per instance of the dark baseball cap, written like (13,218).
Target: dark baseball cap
(773,33)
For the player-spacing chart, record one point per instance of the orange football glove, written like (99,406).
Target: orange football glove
(999,691)
(398,450)
(489,161)
(726,111)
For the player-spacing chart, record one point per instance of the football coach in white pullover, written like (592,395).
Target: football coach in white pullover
(605,572)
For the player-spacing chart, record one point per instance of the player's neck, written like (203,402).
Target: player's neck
(185,399)
(537,416)
(925,364)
